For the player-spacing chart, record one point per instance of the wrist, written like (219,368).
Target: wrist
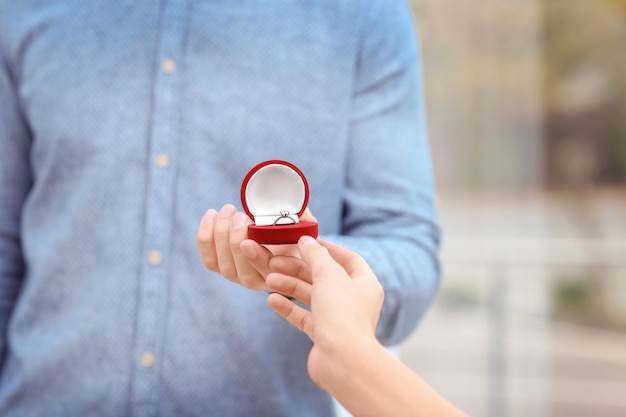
(342,359)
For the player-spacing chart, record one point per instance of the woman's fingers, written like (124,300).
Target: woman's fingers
(294,314)
(353,263)
(322,265)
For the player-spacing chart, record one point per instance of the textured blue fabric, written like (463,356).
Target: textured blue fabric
(109,153)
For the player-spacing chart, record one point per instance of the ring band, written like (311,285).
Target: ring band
(284,214)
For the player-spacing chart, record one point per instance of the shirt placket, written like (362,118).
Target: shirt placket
(160,205)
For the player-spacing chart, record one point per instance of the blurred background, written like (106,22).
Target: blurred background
(527,118)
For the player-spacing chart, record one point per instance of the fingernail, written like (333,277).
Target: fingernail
(209,216)
(239,220)
(308,240)
(227,211)
(248,251)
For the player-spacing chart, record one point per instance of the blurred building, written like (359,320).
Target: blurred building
(483,68)
(527,119)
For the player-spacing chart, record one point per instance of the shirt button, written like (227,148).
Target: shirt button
(168,66)
(155,258)
(147,359)
(162,161)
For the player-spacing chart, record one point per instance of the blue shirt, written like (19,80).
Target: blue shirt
(121,122)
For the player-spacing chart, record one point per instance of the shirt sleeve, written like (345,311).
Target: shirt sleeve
(15,180)
(389,206)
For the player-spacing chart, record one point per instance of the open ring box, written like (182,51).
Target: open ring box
(274,195)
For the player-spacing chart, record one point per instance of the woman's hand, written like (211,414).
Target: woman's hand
(346,359)
(344,294)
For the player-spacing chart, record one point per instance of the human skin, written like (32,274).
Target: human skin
(346,360)
(225,249)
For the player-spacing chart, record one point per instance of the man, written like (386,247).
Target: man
(121,122)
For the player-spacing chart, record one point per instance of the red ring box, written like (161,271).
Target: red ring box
(274,195)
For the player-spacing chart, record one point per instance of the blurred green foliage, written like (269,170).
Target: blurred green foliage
(582,299)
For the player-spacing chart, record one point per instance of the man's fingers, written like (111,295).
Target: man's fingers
(256,255)
(307,216)
(248,275)
(220,238)
(292,266)
(290,286)
(294,314)
(206,242)
(221,234)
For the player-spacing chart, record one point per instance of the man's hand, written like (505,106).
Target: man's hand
(225,248)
